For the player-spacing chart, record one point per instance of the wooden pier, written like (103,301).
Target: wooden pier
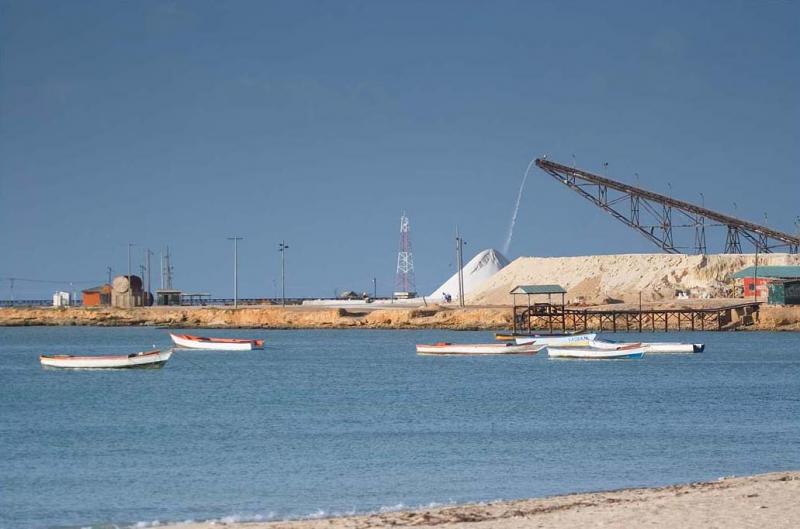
(558,318)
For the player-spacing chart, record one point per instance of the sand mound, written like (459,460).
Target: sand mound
(596,278)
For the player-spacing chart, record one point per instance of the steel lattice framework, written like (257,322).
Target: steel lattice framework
(629,202)
(405,280)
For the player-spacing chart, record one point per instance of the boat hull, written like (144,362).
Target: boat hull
(187,341)
(652,347)
(590,353)
(448,349)
(144,360)
(675,348)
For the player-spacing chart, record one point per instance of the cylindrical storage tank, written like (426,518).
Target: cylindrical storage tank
(121,284)
(136,283)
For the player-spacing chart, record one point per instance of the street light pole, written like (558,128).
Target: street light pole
(235,240)
(130,245)
(282,247)
(147,254)
(460,264)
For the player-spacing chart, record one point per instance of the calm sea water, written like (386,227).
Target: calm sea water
(325,422)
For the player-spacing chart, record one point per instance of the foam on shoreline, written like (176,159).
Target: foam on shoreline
(764,500)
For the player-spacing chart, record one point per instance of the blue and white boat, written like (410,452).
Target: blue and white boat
(622,352)
(557,340)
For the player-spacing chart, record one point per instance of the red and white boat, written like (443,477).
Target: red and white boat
(145,359)
(216,344)
(446,348)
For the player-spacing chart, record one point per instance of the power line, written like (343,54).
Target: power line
(51,281)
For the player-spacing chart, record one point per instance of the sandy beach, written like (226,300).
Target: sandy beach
(764,500)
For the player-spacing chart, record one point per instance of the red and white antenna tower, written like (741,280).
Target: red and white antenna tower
(404,280)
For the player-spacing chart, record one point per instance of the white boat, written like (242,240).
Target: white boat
(631,351)
(654,347)
(446,348)
(145,359)
(674,347)
(577,339)
(506,337)
(217,344)
(612,345)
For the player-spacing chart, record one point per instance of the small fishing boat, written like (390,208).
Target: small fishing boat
(509,337)
(217,344)
(653,347)
(562,340)
(446,348)
(675,347)
(146,359)
(623,351)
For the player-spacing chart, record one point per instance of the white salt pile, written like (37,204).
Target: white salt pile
(480,268)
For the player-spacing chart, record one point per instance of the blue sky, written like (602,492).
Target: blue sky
(182,123)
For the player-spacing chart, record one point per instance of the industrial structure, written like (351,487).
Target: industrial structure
(405,282)
(127,292)
(651,214)
(166,295)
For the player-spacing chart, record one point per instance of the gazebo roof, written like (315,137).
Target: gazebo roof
(538,289)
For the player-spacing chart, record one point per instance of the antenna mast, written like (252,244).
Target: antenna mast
(405,282)
(166,271)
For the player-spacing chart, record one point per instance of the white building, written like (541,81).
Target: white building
(61,299)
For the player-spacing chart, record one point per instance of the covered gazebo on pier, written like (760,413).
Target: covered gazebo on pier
(528,315)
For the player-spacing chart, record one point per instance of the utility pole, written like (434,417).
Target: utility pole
(460,263)
(461,270)
(130,245)
(235,240)
(755,277)
(142,270)
(282,247)
(147,254)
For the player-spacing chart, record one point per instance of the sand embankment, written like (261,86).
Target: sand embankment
(597,278)
(766,500)
(264,317)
